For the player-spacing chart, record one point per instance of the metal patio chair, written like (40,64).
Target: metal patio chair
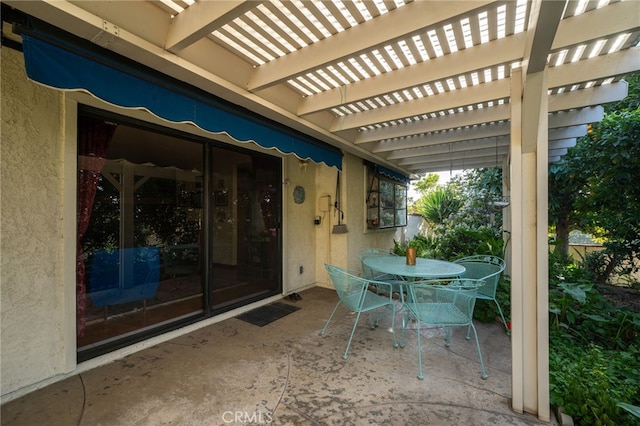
(486,268)
(123,276)
(397,283)
(355,295)
(443,303)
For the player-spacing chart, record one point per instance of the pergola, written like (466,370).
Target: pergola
(416,86)
(420,86)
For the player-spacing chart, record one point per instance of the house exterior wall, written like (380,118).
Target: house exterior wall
(299,234)
(325,241)
(342,249)
(355,193)
(38,230)
(31,281)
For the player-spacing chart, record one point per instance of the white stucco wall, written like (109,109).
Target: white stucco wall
(299,233)
(325,183)
(355,196)
(31,285)
(342,249)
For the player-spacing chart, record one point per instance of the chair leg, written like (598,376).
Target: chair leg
(375,324)
(420,375)
(353,331)
(393,325)
(504,322)
(324,329)
(405,321)
(484,372)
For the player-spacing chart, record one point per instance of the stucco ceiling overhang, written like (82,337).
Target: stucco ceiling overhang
(416,86)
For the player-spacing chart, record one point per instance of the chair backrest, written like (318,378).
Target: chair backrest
(374,252)
(349,286)
(486,268)
(369,252)
(124,275)
(444,302)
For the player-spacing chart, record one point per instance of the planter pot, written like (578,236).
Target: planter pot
(411,255)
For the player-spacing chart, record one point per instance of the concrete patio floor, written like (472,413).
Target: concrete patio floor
(285,373)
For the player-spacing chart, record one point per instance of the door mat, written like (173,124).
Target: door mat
(267,314)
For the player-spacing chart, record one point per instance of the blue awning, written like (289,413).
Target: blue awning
(388,173)
(74,65)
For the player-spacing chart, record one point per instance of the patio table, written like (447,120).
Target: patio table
(423,269)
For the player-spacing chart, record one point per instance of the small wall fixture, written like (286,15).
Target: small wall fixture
(499,203)
(340,228)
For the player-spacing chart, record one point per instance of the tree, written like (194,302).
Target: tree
(425,185)
(565,186)
(611,196)
(478,187)
(596,186)
(610,200)
(460,216)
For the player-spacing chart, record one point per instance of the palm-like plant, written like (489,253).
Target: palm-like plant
(436,206)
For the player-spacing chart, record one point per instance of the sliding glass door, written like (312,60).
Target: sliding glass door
(245,227)
(171,230)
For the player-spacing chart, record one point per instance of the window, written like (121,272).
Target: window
(386,200)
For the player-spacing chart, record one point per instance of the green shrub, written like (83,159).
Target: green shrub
(439,204)
(589,382)
(582,314)
(594,358)
(462,241)
(425,247)
(614,262)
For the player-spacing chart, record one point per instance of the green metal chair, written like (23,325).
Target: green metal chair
(355,295)
(443,303)
(486,268)
(397,283)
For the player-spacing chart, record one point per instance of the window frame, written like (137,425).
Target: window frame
(384,211)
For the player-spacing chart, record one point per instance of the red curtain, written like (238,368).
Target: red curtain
(93,140)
